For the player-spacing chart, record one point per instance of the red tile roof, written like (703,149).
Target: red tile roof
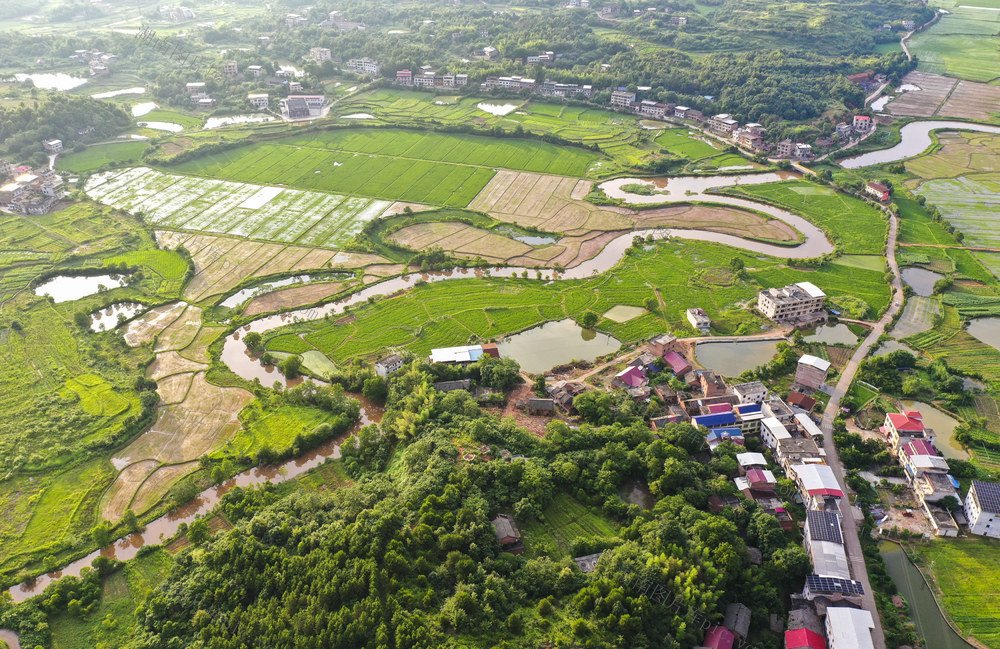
(906,422)
(919,447)
(678,364)
(804,639)
(719,637)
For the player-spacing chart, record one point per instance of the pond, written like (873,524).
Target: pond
(943,426)
(920,280)
(65,288)
(915,138)
(166,526)
(108,318)
(880,103)
(556,343)
(138,110)
(734,358)
(357,116)
(217,122)
(57,81)
(162,126)
(890,346)
(636,492)
(138,90)
(833,334)
(497,109)
(8,636)
(923,608)
(530,238)
(986,330)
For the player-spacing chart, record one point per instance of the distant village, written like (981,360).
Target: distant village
(828,612)
(27,191)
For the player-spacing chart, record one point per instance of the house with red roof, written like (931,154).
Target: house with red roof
(804,639)
(630,377)
(901,428)
(678,364)
(719,637)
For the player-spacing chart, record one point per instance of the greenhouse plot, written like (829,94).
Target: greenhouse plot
(244,209)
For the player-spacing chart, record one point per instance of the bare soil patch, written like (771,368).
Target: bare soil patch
(934,88)
(118,496)
(181,331)
(293,297)
(158,484)
(169,363)
(146,327)
(972,100)
(173,389)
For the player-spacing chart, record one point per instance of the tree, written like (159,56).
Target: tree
(736,264)
(652,304)
(950,503)
(253,341)
(198,531)
(499,373)
(81,319)
(130,521)
(588,319)
(101,534)
(375,389)
(291,366)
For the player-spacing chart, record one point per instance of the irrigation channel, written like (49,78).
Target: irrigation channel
(167,526)
(915,139)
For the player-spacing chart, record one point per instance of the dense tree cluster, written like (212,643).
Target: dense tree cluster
(68,118)
(408,558)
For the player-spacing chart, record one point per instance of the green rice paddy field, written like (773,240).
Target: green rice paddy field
(449,313)
(562,522)
(962,43)
(99,155)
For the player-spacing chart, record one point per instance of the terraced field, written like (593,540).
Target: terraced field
(246,210)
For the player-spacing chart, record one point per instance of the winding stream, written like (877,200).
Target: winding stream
(915,139)
(167,526)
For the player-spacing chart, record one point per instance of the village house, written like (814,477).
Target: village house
(909,25)
(194,87)
(677,363)
(677,21)
(507,534)
(588,563)
(717,436)
(756,480)
(230,69)
(723,124)
(254,71)
(259,100)
(388,365)
(463,355)
(878,191)
(508,83)
(699,320)
(6,169)
(816,483)
(663,343)
(792,451)
(811,371)
(652,108)
(802,151)
(451,386)
(982,508)
(902,428)
(536,406)
(52,146)
(772,431)
(404,77)
(320,54)
(849,628)
(843,130)
(804,639)
(295,20)
(545,58)
(807,426)
(801,401)
(862,123)
(752,392)
(302,106)
(749,460)
(712,385)
(785,149)
(490,52)
(365,66)
(622,98)
(797,304)
(737,619)
(555,89)
(748,417)
(630,377)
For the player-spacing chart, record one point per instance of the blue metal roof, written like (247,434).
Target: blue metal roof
(747,408)
(714,421)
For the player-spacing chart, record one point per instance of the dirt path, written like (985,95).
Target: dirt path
(949,245)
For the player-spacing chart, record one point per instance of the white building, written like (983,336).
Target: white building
(259,100)
(807,425)
(795,303)
(389,365)
(699,320)
(982,508)
(849,628)
(772,430)
(749,461)
(364,65)
(53,146)
(320,54)
(723,123)
(753,392)
(622,98)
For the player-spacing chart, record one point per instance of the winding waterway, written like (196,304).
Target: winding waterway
(915,139)
(167,526)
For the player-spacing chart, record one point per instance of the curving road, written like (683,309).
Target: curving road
(850,525)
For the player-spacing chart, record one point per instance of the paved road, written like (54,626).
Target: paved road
(853,543)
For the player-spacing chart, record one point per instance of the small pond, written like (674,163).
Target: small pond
(986,330)
(556,343)
(138,110)
(880,103)
(923,608)
(357,116)
(530,238)
(497,109)
(64,288)
(833,334)
(57,81)
(920,280)
(138,90)
(636,492)
(162,126)
(734,358)
(108,318)
(943,427)
(890,346)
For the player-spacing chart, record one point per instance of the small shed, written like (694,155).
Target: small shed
(508,534)
(541,406)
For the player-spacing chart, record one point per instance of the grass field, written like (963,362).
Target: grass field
(562,522)
(451,313)
(852,223)
(962,43)
(99,155)
(223,207)
(276,430)
(966,577)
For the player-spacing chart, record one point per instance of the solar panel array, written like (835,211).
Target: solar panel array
(988,494)
(819,584)
(824,526)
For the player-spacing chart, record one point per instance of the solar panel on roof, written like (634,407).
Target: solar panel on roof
(820,584)
(988,494)
(824,526)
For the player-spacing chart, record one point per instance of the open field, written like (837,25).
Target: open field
(971,203)
(223,207)
(965,574)
(99,155)
(918,315)
(292,297)
(934,89)
(222,263)
(962,43)
(858,227)
(451,313)
(972,100)
(276,430)
(564,521)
